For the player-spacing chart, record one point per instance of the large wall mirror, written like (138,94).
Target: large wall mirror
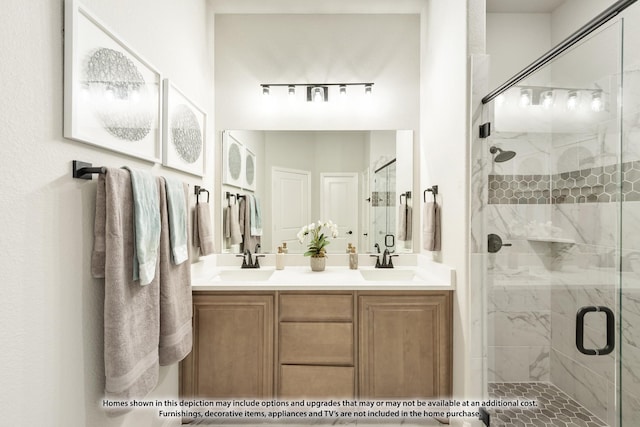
(360,180)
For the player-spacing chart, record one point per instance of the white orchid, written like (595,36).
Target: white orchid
(318,239)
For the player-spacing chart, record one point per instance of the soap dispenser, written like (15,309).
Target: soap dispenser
(353,259)
(284,248)
(349,246)
(280,259)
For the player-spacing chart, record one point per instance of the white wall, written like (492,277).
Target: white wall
(255,49)
(51,309)
(515,40)
(443,97)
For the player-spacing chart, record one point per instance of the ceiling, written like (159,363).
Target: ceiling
(522,6)
(317,6)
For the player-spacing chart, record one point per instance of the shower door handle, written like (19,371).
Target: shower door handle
(608,348)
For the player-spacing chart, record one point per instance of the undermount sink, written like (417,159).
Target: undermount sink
(245,275)
(385,275)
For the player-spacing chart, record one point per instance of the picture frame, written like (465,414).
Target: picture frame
(232,161)
(112,96)
(183,132)
(249,166)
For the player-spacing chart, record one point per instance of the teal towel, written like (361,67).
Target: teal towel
(256,216)
(146,224)
(177,210)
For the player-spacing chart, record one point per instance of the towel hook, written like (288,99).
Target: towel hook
(433,190)
(229,195)
(198,190)
(407,196)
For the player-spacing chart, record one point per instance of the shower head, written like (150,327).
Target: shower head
(503,155)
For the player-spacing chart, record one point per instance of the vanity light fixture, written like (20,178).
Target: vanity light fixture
(316,92)
(546,99)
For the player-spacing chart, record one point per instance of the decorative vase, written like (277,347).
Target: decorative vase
(318,263)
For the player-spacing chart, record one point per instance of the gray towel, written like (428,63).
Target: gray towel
(431,227)
(248,241)
(146,225)
(256,216)
(177,210)
(203,229)
(131,312)
(175,288)
(404,222)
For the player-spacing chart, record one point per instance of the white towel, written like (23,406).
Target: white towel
(431,227)
(131,312)
(146,225)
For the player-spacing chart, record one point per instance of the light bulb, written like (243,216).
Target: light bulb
(367,89)
(572,100)
(596,102)
(343,90)
(525,97)
(318,95)
(547,99)
(292,90)
(265,90)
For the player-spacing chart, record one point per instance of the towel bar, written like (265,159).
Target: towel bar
(84,170)
(198,190)
(433,190)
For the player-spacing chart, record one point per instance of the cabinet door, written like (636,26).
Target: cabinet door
(405,345)
(232,347)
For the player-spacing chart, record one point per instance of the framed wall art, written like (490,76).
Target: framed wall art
(249,170)
(112,96)
(232,160)
(183,132)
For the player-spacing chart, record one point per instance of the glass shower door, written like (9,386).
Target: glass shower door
(548,206)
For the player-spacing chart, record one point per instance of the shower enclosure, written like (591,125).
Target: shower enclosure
(556,235)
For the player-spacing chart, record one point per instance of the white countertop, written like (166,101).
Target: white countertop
(424,275)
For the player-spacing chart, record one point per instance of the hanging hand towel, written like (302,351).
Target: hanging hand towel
(256,216)
(131,313)
(204,229)
(175,283)
(177,211)
(235,235)
(146,225)
(404,222)
(248,241)
(431,227)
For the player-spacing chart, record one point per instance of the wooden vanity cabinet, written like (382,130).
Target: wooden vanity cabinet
(318,344)
(232,352)
(405,344)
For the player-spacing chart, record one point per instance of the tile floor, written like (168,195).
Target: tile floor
(555,408)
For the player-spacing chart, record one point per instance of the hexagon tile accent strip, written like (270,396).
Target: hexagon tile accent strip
(555,407)
(591,185)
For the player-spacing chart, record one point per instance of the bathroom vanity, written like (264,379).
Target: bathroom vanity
(332,334)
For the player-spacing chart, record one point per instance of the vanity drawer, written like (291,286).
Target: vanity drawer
(316,343)
(316,308)
(317,381)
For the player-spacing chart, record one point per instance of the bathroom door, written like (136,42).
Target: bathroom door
(291,205)
(339,203)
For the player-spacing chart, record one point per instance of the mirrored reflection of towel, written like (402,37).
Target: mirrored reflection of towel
(203,229)
(256,216)
(177,211)
(404,222)
(176,335)
(431,227)
(131,312)
(146,225)
(235,235)
(248,241)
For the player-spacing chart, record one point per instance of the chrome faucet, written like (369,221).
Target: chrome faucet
(248,261)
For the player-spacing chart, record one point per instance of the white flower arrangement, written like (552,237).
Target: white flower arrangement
(318,239)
